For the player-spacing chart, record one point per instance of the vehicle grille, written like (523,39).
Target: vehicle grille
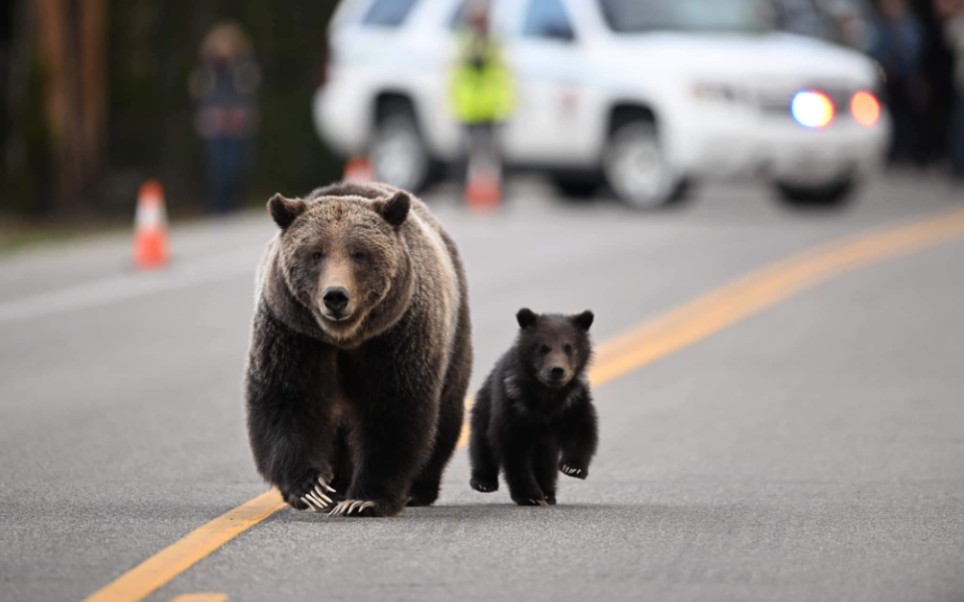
(777,102)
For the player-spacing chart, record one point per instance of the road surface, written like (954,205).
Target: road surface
(809,448)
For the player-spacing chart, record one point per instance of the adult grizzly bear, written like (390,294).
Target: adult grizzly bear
(360,353)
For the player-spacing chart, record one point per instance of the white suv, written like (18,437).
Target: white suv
(648,94)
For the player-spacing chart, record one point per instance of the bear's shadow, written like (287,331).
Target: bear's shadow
(464,512)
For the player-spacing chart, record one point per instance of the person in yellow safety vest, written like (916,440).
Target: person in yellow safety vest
(481,89)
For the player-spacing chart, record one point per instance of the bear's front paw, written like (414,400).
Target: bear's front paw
(534,500)
(352,507)
(484,485)
(313,494)
(573,470)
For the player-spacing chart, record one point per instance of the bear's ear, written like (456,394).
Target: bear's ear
(395,209)
(526,318)
(284,211)
(582,321)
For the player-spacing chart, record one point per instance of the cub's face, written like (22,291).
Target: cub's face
(555,348)
(340,256)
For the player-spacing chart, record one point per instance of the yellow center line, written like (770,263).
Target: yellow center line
(201,597)
(642,345)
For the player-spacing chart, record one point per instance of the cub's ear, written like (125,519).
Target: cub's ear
(582,321)
(395,209)
(284,211)
(526,317)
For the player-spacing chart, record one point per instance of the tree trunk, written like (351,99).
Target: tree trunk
(93,57)
(72,41)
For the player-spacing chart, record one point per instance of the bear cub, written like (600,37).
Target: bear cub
(534,413)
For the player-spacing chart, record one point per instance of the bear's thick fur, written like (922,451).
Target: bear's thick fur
(534,406)
(360,353)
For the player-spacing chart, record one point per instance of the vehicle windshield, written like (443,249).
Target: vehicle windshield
(637,16)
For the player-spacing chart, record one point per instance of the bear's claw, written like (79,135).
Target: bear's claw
(316,499)
(573,471)
(352,507)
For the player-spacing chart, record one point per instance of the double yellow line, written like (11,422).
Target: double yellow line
(646,343)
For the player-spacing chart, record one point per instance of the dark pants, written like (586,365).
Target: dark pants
(957,137)
(226,166)
(481,145)
(910,124)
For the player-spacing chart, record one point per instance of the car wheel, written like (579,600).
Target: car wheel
(398,154)
(636,167)
(830,195)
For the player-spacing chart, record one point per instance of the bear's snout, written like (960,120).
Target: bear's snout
(557,373)
(336,299)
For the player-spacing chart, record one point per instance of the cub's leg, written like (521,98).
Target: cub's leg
(289,412)
(545,460)
(517,456)
(485,466)
(579,437)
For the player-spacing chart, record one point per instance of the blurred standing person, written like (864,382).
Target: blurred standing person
(225,88)
(481,90)
(939,73)
(954,33)
(897,43)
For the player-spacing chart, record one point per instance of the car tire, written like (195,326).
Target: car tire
(636,168)
(827,196)
(397,150)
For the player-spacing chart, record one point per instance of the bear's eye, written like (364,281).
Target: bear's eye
(359,256)
(543,349)
(568,348)
(317,256)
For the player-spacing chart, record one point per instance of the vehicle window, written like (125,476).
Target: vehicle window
(388,13)
(547,19)
(635,16)
(461,14)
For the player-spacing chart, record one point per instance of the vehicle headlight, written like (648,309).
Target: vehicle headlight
(813,109)
(865,108)
(715,92)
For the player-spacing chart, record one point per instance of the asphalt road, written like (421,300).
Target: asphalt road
(814,451)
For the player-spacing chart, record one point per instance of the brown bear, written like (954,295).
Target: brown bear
(360,353)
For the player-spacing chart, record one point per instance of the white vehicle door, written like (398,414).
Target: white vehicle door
(549,126)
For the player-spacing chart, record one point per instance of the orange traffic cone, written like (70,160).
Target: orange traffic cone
(483,188)
(359,169)
(150,227)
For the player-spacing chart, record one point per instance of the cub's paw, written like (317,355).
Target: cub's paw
(314,494)
(551,500)
(573,470)
(351,507)
(530,498)
(484,485)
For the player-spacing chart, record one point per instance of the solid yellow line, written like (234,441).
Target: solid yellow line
(201,597)
(644,344)
(749,295)
(156,571)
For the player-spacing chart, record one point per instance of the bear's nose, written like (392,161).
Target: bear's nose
(335,298)
(557,373)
